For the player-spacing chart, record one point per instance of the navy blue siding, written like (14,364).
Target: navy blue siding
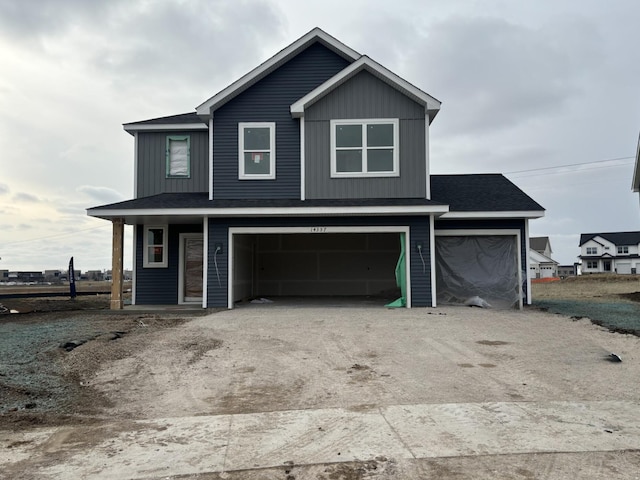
(420,274)
(159,286)
(516,223)
(419,227)
(269,101)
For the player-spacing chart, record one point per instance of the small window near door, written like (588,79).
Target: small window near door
(155,247)
(178,157)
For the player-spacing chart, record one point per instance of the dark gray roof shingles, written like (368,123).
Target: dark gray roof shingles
(617,238)
(183,118)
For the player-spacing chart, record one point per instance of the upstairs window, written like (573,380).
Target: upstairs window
(178,156)
(592,250)
(365,148)
(623,250)
(155,247)
(257,151)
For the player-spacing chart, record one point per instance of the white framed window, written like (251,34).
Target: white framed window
(623,250)
(592,264)
(365,148)
(592,250)
(178,153)
(155,246)
(257,151)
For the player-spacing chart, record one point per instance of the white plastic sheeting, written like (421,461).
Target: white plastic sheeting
(477,266)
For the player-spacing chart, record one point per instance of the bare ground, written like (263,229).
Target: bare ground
(268,359)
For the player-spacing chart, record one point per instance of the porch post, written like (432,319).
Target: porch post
(116,264)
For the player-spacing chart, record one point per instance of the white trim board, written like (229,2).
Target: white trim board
(132,128)
(490,215)
(315,230)
(274,212)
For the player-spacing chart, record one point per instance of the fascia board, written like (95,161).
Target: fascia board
(134,127)
(267,66)
(364,63)
(275,212)
(488,215)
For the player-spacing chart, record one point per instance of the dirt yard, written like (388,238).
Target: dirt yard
(291,392)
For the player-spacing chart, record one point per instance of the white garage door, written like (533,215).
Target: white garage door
(624,268)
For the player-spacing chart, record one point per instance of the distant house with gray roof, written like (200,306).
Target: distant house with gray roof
(613,252)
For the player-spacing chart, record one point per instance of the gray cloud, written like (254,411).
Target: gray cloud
(494,74)
(101,194)
(4,188)
(25,198)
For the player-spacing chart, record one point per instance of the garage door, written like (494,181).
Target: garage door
(624,268)
(330,264)
(479,266)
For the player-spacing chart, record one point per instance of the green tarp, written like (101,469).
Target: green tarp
(401,277)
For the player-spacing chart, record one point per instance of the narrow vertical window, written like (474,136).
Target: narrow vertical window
(178,157)
(155,247)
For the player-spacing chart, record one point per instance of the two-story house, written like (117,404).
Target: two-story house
(617,252)
(309,176)
(540,262)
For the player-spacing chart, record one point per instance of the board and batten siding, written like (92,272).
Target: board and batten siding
(152,164)
(159,286)
(269,101)
(419,232)
(365,97)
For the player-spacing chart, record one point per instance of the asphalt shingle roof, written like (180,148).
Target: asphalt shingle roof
(183,118)
(617,238)
(463,193)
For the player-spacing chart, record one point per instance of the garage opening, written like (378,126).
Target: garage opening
(303,265)
(478,270)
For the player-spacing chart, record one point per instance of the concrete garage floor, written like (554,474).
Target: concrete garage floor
(273,392)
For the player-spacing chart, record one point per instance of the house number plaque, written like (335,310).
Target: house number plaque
(318,229)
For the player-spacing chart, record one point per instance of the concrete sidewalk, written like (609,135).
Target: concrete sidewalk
(225,443)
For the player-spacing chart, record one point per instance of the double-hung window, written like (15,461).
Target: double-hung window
(623,250)
(257,151)
(155,247)
(178,156)
(365,148)
(592,264)
(592,250)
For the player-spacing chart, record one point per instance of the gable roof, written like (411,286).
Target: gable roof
(280,58)
(431,104)
(635,185)
(538,257)
(617,238)
(539,244)
(183,121)
(480,193)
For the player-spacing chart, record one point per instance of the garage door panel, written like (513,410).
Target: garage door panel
(623,268)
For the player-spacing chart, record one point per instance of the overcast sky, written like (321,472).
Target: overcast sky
(527,87)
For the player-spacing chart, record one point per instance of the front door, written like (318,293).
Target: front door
(191,261)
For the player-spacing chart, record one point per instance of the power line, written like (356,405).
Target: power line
(54,236)
(571,165)
(568,171)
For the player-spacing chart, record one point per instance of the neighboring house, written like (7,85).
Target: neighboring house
(310,175)
(565,271)
(616,252)
(541,264)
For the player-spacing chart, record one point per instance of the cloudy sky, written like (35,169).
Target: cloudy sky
(545,91)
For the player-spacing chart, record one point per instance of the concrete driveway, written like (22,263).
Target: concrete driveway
(293,392)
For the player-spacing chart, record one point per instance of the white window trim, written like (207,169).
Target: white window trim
(145,245)
(592,250)
(620,250)
(363,122)
(272,151)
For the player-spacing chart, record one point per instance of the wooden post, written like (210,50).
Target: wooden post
(116,264)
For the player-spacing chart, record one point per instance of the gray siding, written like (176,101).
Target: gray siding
(159,286)
(269,101)
(362,97)
(152,164)
(419,228)
(516,223)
